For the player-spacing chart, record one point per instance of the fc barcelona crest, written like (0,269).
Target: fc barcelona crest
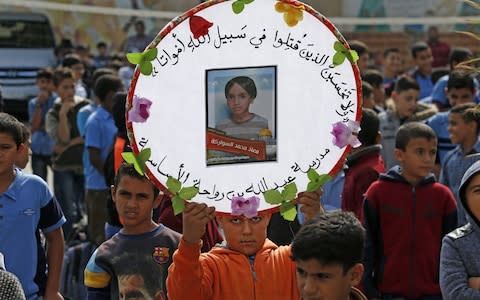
(161,254)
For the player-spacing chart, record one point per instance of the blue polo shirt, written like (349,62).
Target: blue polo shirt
(41,142)
(425,83)
(100,132)
(439,124)
(27,206)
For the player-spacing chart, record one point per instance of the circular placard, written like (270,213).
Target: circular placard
(236,98)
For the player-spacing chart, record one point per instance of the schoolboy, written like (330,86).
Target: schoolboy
(406,215)
(460,89)
(328,252)
(464,125)
(405,109)
(375,79)
(392,63)
(100,132)
(364,164)
(248,266)
(459,261)
(135,198)
(42,143)
(27,207)
(73,62)
(422,73)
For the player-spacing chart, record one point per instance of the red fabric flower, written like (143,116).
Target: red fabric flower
(199,26)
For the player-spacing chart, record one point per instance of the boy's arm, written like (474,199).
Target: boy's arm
(310,204)
(97,280)
(187,276)
(372,235)
(96,159)
(453,275)
(55,249)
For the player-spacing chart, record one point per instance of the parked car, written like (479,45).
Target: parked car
(27,44)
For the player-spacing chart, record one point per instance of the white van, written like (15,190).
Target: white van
(27,44)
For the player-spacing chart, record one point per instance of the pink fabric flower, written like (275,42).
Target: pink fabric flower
(247,207)
(343,134)
(140,110)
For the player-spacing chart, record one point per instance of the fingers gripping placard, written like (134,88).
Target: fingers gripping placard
(245,100)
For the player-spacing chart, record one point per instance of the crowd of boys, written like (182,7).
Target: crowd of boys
(400,221)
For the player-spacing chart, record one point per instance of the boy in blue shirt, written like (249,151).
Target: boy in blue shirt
(42,144)
(464,125)
(27,206)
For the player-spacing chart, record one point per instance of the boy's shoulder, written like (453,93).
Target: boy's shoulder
(461,232)
(438,119)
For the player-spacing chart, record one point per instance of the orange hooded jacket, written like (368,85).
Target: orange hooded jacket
(225,274)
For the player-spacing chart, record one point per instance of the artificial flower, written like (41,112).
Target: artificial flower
(199,26)
(247,207)
(140,110)
(343,134)
(292,14)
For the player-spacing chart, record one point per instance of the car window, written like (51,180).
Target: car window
(25,34)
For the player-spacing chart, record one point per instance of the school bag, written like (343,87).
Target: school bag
(75,259)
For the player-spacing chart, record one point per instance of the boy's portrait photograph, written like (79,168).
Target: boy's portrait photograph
(241,115)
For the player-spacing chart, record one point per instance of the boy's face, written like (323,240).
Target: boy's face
(45,84)
(66,89)
(245,235)
(424,61)
(418,159)
(405,102)
(459,130)
(327,282)
(238,100)
(133,287)
(363,62)
(472,196)
(8,153)
(460,96)
(78,70)
(369,102)
(392,62)
(134,200)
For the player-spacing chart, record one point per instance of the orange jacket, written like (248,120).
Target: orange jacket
(225,274)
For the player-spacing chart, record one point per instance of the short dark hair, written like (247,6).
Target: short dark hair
(70,60)
(127,169)
(118,113)
(46,73)
(470,112)
(459,54)
(387,51)
(332,238)
(105,84)
(359,46)
(405,83)
(374,77)
(369,125)
(11,126)
(101,44)
(459,79)
(245,82)
(61,74)
(410,131)
(25,132)
(418,47)
(100,72)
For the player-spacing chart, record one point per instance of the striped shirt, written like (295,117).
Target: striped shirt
(246,130)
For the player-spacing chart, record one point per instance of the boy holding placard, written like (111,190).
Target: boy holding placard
(248,266)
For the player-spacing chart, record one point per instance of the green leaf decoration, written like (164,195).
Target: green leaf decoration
(238,7)
(288,211)
(341,52)
(143,60)
(316,180)
(290,191)
(138,161)
(188,193)
(273,197)
(180,195)
(178,205)
(338,58)
(173,185)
